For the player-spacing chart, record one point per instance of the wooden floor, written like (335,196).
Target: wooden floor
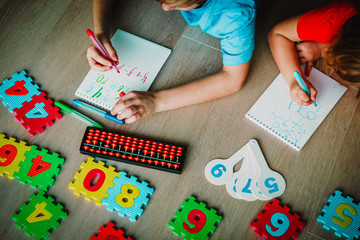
(48,40)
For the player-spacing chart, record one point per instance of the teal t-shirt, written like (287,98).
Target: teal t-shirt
(233,21)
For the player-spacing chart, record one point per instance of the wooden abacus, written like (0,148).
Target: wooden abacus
(132,149)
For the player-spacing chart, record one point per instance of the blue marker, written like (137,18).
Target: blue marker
(302,85)
(98,111)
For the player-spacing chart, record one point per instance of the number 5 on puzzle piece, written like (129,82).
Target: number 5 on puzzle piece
(195,220)
(128,196)
(39,216)
(37,114)
(17,90)
(342,215)
(39,168)
(11,154)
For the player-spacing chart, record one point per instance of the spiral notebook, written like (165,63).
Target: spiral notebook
(139,62)
(293,124)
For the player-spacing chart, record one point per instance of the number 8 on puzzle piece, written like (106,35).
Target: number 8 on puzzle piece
(39,216)
(128,196)
(342,215)
(18,90)
(195,220)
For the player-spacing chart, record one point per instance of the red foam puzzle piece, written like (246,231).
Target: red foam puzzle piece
(110,233)
(277,223)
(36,125)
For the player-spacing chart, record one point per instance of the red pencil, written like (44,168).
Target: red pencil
(101,48)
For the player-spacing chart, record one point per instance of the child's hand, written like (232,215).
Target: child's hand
(300,96)
(308,52)
(134,106)
(96,60)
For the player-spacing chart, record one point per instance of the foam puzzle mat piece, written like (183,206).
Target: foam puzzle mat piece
(37,114)
(18,90)
(108,232)
(276,222)
(341,215)
(39,168)
(11,154)
(128,196)
(89,170)
(195,220)
(39,216)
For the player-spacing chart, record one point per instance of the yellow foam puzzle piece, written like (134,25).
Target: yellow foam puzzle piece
(86,167)
(13,166)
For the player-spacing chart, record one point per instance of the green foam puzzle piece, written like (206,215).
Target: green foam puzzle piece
(195,220)
(39,216)
(39,168)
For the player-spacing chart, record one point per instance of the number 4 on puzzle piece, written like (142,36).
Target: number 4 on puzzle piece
(342,215)
(37,114)
(39,168)
(39,216)
(195,220)
(18,90)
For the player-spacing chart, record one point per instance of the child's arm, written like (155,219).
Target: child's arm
(102,13)
(282,40)
(137,105)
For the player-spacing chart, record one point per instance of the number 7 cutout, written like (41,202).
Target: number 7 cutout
(253,177)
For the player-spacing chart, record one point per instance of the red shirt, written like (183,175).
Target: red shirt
(322,24)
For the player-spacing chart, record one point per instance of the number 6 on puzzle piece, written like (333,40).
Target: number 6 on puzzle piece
(11,154)
(195,220)
(276,222)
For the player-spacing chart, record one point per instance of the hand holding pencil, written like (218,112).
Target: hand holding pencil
(101,55)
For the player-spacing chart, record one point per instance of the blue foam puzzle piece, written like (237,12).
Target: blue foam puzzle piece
(16,101)
(37,112)
(142,199)
(343,211)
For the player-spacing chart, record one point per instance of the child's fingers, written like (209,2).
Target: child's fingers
(94,54)
(98,67)
(308,68)
(109,48)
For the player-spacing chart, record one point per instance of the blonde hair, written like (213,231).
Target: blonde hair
(179,3)
(343,55)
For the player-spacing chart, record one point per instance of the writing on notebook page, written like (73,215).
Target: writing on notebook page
(292,122)
(105,83)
